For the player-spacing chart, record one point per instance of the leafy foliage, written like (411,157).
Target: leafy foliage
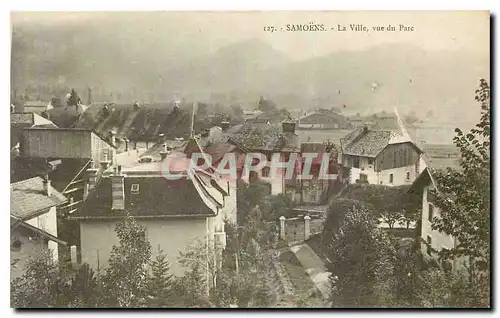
(47,285)
(160,282)
(463,198)
(361,263)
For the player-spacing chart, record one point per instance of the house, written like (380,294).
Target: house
(269,117)
(316,190)
(323,119)
(20,121)
(33,212)
(175,213)
(266,140)
(65,155)
(433,241)
(380,157)
(37,107)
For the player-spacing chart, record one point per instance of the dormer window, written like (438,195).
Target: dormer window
(134,188)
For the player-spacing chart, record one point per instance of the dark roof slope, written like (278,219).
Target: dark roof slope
(61,174)
(27,198)
(157,197)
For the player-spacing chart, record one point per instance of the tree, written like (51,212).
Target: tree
(126,276)
(160,282)
(239,276)
(285,114)
(46,284)
(275,206)
(463,199)
(238,114)
(249,196)
(267,105)
(361,261)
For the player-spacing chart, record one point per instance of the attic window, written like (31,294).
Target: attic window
(134,188)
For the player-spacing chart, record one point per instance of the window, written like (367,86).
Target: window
(407,175)
(431,212)
(356,162)
(391,178)
(134,188)
(370,161)
(429,245)
(16,244)
(265,171)
(363,177)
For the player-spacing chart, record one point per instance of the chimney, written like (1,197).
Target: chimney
(104,161)
(224,125)
(164,152)
(112,133)
(47,188)
(113,142)
(288,127)
(91,181)
(365,129)
(118,190)
(162,137)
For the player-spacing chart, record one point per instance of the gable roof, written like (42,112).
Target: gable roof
(157,197)
(27,198)
(30,119)
(322,116)
(16,223)
(369,143)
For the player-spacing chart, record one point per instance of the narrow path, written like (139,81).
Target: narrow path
(314,267)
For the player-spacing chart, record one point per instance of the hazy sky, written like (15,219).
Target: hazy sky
(434,30)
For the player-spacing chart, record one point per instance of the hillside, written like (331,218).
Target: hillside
(125,64)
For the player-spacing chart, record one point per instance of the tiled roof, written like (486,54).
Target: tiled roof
(369,143)
(265,137)
(157,197)
(28,199)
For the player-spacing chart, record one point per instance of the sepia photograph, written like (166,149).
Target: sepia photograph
(250,159)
